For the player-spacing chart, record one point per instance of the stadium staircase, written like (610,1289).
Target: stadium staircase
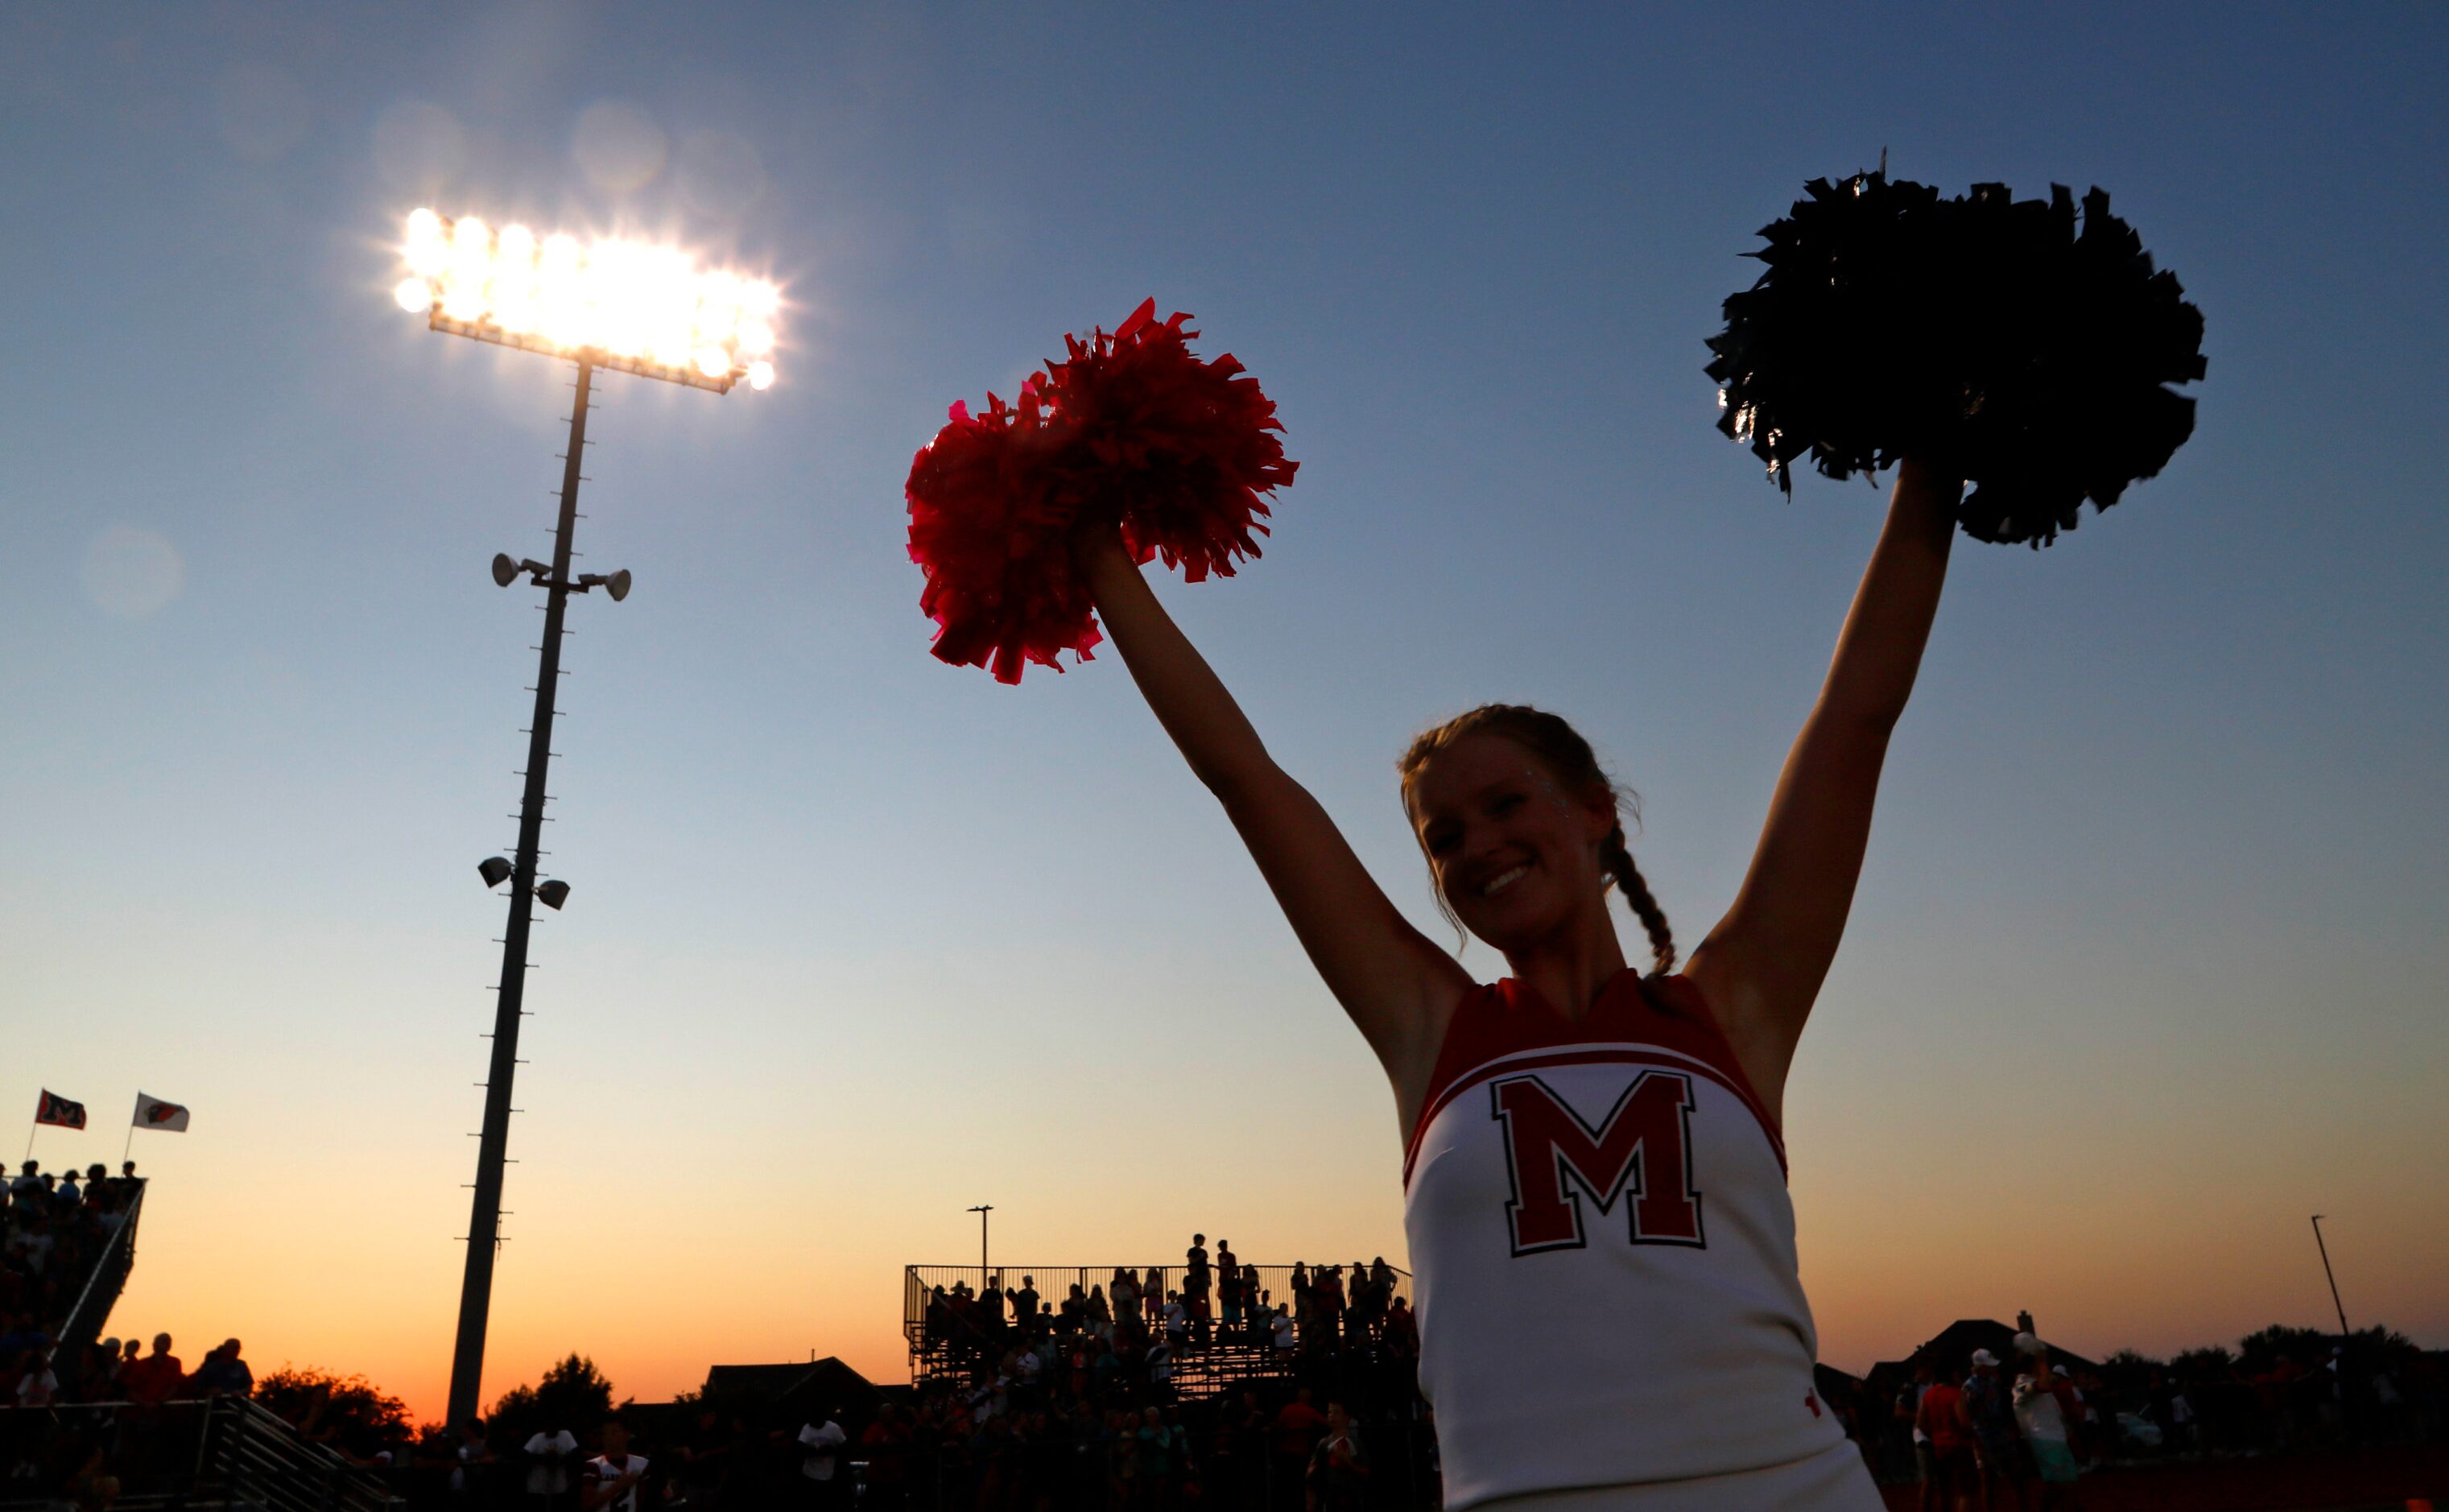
(222,1454)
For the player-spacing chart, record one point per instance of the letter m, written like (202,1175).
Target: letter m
(1643,1148)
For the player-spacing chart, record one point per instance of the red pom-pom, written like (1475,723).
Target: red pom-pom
(996,545)
(1130,428)
(1178,448)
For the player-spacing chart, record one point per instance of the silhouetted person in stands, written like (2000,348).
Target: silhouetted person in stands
(225,1374)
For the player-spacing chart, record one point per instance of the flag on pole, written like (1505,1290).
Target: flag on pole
(152,1113)
(55,1109)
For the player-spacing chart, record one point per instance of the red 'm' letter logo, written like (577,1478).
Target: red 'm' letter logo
(1643,1147)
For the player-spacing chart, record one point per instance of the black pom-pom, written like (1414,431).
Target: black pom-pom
(1991,334)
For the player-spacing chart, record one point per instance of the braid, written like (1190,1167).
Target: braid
(1617,856)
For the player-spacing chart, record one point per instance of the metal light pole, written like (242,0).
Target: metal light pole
(485,1219)
(2332,1277)
(635,309)
(982,1212)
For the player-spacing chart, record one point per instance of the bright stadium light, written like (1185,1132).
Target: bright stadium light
(631,306)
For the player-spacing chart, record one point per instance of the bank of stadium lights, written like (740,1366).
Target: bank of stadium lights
(629,306)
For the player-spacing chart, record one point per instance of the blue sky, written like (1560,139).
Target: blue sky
(857,940)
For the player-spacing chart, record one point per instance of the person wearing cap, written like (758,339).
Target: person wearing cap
(1997,1454)
(2042,1411)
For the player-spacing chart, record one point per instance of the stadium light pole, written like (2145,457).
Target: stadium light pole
(982,1211)
(611,305)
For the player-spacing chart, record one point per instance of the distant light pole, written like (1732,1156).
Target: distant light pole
(616,306)
(982,1211)
(2332,1277)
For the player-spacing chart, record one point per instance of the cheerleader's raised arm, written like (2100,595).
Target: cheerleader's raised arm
(1397,984)
(1761,968)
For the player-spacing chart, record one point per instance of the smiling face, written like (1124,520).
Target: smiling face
(1515,854)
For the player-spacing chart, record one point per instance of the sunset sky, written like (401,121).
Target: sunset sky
(2152,948)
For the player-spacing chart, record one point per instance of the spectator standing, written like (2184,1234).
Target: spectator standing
(156,1378)
(1195,1283)
(469,1461)
(1402,1331)
(2041,1413)
(1339,1470)
(549,1467)
(1908,1411)
(820,1466)
(1951,1454)
(225,1374)
(1160,1370)
(887,1442)
(1998,1452)
(1155,1470)
(1298,1427)
(1126,1293)
(37,1386)
(613,1476)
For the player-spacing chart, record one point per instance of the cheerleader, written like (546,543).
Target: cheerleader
(1594,1175)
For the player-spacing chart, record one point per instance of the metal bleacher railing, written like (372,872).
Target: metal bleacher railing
(107,1278)
(223,1451)
(1216,1359)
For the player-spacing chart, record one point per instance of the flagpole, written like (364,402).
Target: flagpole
(131,1142)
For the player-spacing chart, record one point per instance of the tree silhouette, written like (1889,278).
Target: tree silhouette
(572,1394)
(349,1412)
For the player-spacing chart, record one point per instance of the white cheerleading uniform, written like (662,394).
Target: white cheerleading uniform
(1604,1266)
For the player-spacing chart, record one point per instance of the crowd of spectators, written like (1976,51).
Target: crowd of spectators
(53,1228)
(2018,1431)
(1072,1401)
(1273,1446)
(1131,1331)
(79,1416)
(941,1448)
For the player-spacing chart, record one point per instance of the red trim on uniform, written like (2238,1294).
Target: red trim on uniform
(1505,1021)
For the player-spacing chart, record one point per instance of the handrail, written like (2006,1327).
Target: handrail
(262,1459)
(76,1329)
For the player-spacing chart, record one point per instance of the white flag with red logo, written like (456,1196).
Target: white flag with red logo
(152,1113)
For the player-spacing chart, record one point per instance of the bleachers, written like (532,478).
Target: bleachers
(1222,1362)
